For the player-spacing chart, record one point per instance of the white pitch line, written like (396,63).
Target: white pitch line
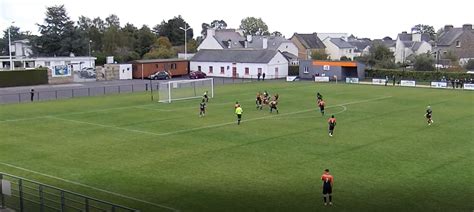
(266,117)
(88,186)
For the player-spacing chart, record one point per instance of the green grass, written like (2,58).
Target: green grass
(383,156)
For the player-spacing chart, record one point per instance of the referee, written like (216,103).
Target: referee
(238,112)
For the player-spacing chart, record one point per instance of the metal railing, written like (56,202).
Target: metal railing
(146,85)
(26,195)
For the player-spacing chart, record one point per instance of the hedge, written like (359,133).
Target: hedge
(23,77)
(421,76)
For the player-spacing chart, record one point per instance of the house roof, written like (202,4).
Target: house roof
(447,38)
(310,41)
(289,56)
(159,60)
(360,44)
(234,55)
(224,36)
(409,37)
(340,43)
(273,42)
(416,46)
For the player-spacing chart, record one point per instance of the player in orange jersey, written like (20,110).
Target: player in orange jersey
(328,182)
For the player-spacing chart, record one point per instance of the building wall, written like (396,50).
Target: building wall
(424,48)
(209,43)
(465,52)
(78,63)
(302,51)
(288,47)
(151,68)
(334,70)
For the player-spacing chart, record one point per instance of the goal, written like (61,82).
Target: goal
(185,89)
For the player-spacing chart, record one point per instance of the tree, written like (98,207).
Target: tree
(379,56)
(470,64)
(192,46)
(319,54)
(216,25)
(145,40)
(424,29)
(161,49)
(254,26)
(112,20)
(344,58)
(424,62)
(171,30)
(59,36)
(16,34)
(276,34)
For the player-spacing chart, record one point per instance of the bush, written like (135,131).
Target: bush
(415,75)
(344,58)
(423,62)
(470,64)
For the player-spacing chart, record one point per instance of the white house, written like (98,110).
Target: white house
(411,44)
(323,36)
(240,63)
(338,47)
(233,39)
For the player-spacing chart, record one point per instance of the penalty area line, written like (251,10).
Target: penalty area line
(88,186)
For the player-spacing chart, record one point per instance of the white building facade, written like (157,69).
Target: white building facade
(226,63)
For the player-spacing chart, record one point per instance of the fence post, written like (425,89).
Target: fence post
(19,98)
(62,201)
(56,94)
(20,189)
(38,96)
(87,205)
(146,86)
(88,91)
(104,90)
(41,198)
(2,198)
(132,88)
(72,93)
(119,88)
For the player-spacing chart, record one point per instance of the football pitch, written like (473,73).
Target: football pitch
(160,157)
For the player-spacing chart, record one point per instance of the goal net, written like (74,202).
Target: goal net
(185,89)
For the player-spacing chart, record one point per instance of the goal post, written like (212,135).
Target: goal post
(185,89)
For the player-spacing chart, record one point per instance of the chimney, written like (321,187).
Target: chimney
(404,32)
(448,27)
(265,42)
(467,27)
(416,37)
(249,38)
(211,32)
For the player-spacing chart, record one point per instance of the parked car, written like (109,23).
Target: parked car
(197,75)
(87,73)
(160,75)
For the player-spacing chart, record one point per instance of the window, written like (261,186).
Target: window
(247,71)
(222,70)
(156,66)
(306,70)
(199,68)
(350,50)
(458,43)
(47,63)
(259,70)
(210,69)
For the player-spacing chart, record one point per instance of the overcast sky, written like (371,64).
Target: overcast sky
(363,18)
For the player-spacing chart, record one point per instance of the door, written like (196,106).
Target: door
(234,72)
(276,72)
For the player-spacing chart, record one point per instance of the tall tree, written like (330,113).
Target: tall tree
(172,31)
(424,29)
(161,49)
(216,24)
(424,62)
(16,34)
(145,40)
(112,20)
(254,26)
(59,36)
(319,55)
